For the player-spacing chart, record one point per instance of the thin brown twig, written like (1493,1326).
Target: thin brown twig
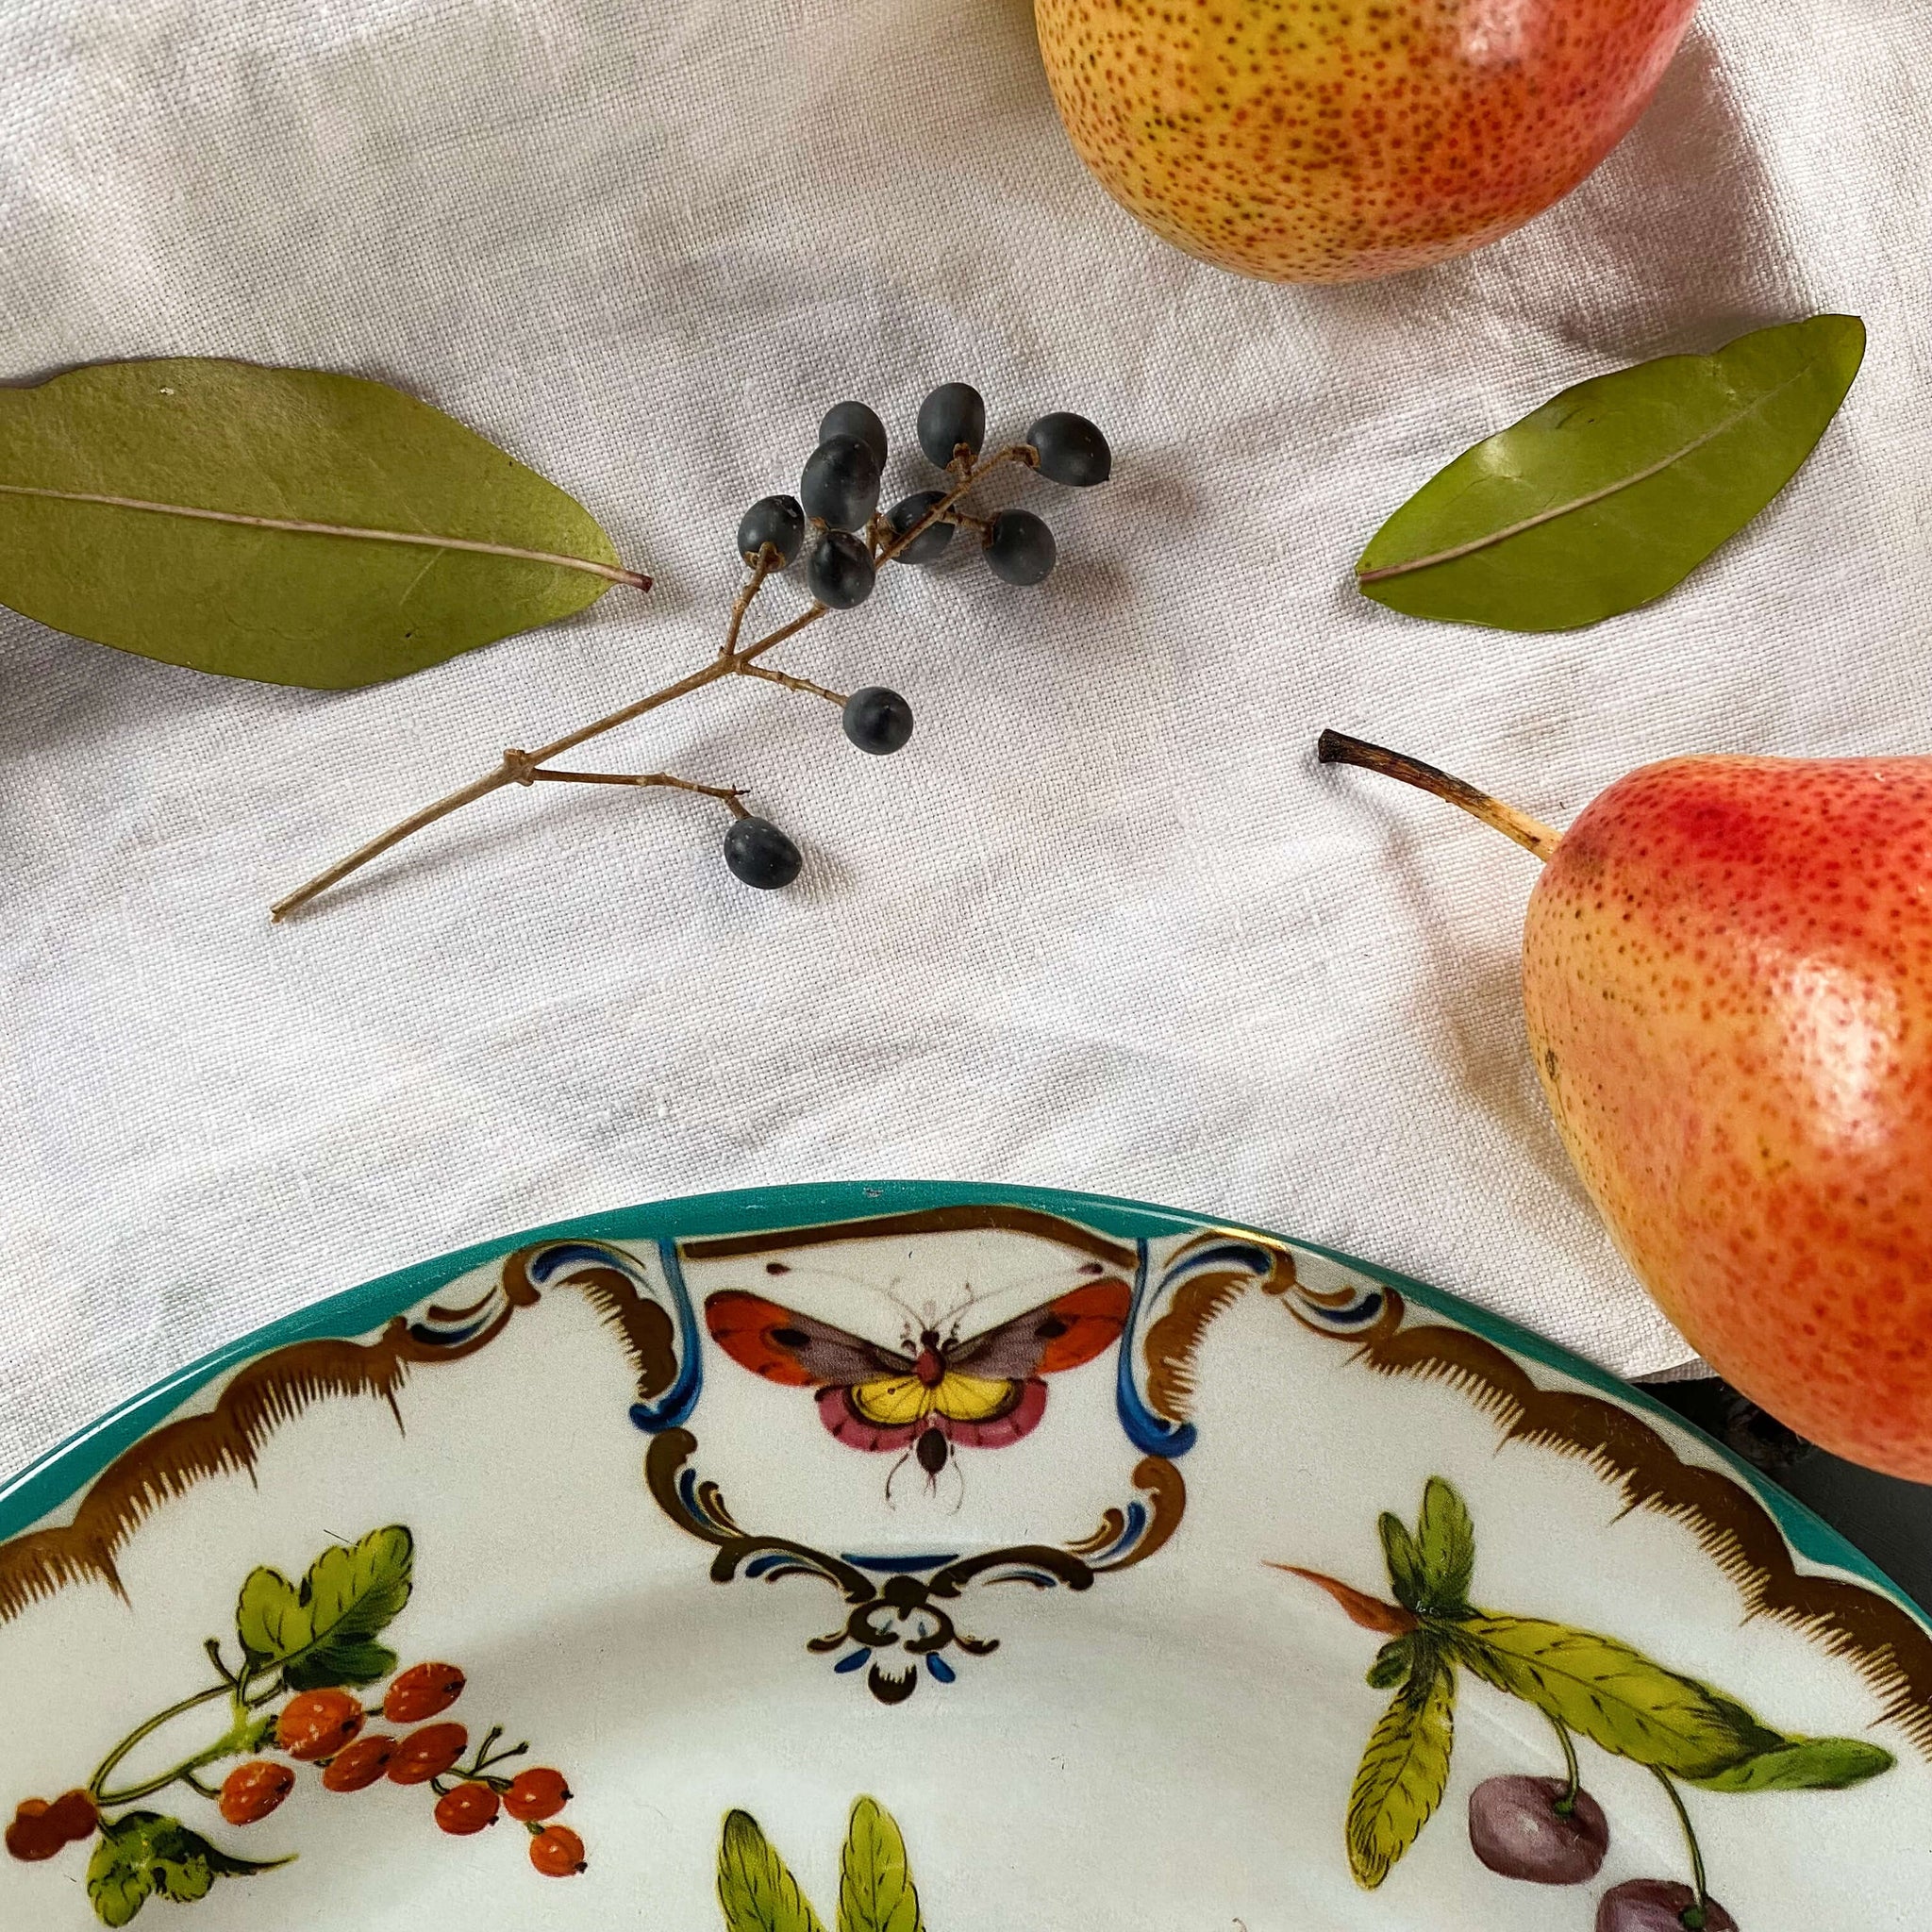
(733,659)
(729,793)
(791,683)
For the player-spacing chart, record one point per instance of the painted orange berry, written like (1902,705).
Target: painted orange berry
(422,1691)
(466,1809)
(557,1852)
(356,1766)
(32,1835)
(537,1794)
(252,1790)
(317,1724)
(74,1815)
(428,1753)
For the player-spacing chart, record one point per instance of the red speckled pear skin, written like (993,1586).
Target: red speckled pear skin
(1727,979)
(1329,141)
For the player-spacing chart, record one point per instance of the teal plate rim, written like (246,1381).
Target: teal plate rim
(44,1484)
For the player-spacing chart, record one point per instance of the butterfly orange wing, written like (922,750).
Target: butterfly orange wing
(791,1349)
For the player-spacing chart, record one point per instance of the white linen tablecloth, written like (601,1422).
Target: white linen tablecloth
(1104,922)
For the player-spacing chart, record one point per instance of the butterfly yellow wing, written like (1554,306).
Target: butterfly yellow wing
(893,1401)
(974,1398)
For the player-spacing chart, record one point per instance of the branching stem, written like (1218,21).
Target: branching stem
(733,659)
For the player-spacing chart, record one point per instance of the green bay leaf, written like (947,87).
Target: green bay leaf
(875,1890)
(1613,1694)
(1403,1774)
(233,462)
(756,1890)
(1616,489)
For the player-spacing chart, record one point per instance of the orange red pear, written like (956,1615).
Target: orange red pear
(1727,989)
(1311,141)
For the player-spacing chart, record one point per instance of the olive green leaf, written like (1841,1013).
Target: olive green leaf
(142,1854)
(1392,1664)
(875,1890)
(1445,1546)
(1615,489)
(1403,1559)
(1403,1772)
(288,524)
(1612,1694)
(1804,1764)
(319,1634)
(757,1893)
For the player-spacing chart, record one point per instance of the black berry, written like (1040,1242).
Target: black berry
(857,421)
(760,855)
(1020,548)
(1517,1826)
(841,485)
(778,521)
(877,720)
(929,545)
(1071,449)
(839,570)
(954,414)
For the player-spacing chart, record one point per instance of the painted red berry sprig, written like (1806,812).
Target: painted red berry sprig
(835,528)
(292,1711)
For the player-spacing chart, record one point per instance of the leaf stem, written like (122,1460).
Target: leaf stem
(733,659)
(1339,748)
(1697,1912)
(612,573)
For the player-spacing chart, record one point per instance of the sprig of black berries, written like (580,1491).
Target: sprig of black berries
(834,524)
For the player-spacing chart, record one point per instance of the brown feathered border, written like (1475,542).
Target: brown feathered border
(1889,1648)
(264,1394)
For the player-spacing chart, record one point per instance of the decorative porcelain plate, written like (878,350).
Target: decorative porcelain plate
(908,1555)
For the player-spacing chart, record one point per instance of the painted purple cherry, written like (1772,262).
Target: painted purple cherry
(1521,1828)
(1659,1904)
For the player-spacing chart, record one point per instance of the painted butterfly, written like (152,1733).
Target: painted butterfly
(935,1392)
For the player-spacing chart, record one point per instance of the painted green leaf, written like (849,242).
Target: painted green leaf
(1402,1774)
(249,448)
(1403,1559)
(142,1854)
(1445,1548)
(1804,1764)
(1615,489)
(319,1634)
(119,1875)
(875,1890)
(757,1893)
(1612,1694)
(1391,1664)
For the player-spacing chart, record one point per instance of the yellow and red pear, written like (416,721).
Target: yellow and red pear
(1325,141)
(1727,988)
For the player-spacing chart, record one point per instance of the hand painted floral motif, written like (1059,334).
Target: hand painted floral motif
(304,1649)
(1547,1831)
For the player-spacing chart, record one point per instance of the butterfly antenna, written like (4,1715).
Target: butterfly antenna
(892,1474)
(1026,1285)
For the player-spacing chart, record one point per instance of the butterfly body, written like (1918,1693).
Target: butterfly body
(936,1392)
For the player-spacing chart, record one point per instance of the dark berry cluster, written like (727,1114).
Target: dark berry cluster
(835,528)
(834,523)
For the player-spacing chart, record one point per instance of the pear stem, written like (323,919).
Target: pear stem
(1339,748)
